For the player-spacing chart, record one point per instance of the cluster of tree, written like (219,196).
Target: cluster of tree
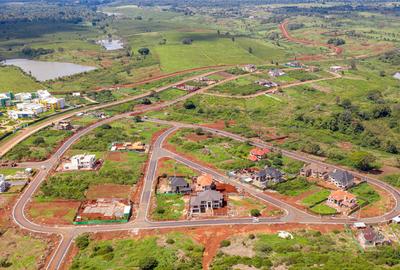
(37,11)
(336,41)
(391,57)
(187,41)
(295,26)
(101,96)
(31,53)
(350,122)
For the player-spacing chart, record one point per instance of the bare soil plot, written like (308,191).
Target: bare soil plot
(108,191)
(55,212)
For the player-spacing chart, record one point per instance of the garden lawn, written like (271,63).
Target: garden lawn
(169,207)
(316,198)
(323,209)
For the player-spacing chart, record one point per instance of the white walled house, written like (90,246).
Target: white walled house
(36,108)
(21,114)
(79,162)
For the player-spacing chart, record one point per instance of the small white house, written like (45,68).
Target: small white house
(336,69)
(3,183)
(79,162)
(20,114)
(42,94)
(285,235)
(36,108)
(23,96)
(76,94)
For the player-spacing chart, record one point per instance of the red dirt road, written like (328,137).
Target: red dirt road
(283,27)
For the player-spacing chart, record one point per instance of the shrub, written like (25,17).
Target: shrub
(148,263)
(263,248)
(170,241)
(160,210)
(82,241)
(252,236)
(225,243)
(38,141)
(255,212)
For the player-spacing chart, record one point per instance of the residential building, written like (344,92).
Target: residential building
(23,97)
(5,100)
(64,125)
(267,176)
(341,179)
(36,108)
(20,114)
(79,162)
(104,209)
(53,103)
(342,198)
(206,201)
(76,94)
(369,237)
(336,69)
(179,185)
(315,171)
(250,68)
(128,146)
(294,64)
(397,75)
(186,87)
(3,184)
(266,83)
(276,72)
(204,182)
(257,154)
(42,94)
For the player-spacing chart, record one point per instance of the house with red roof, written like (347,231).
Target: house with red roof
(257,154)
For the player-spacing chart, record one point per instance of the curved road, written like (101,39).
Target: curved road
(68,232)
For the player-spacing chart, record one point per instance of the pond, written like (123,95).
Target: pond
(111,44)
(44,71)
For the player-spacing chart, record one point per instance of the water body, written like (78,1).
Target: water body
(111,44)
(44,71)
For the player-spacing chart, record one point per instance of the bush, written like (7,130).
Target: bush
(189,105)
(362,160)
(38,141)
(170,241)
(263,248)
(148,263)
(252,236)
(82,241)
(160,210)
(255,213)
(225,243)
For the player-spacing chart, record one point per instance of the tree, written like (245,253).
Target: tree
(189,105)
(187,41)
(148,263)
(146,101)
(225,243)
(353,64)
(233,39)
(144,51)
(218,32)
(106,126)
(250,50)
(255,213)
(363,161)
(38,141)
(82,241)
(137,119)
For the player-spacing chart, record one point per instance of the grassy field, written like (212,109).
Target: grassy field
(307,249)
(38,146)
(172,251)
(169,207)
(14,80)
(316,198)
(323,209)
(21,252)
(294,187)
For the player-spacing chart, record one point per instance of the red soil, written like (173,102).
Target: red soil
(283,27)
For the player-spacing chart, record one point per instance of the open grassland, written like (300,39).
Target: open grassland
(339,118)
(20,251)
(174,250)
(334,250)
(14,80)
(39,146)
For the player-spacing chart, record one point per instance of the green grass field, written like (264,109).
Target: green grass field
(14,80)
(172,251)
(316,198)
